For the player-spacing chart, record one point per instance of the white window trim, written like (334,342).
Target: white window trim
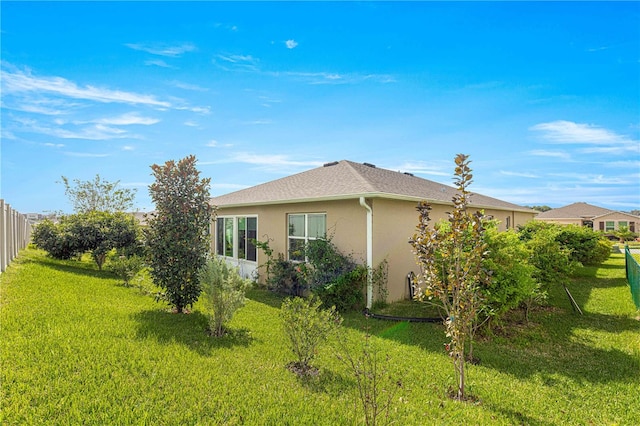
(306,237)
(234,255)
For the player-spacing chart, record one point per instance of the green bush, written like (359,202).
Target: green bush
(346,293)
(94,232)
(286,277)
(307,326)
(512,280)
(125,267)
(224,293)
(326,263)
(586,245)
(54,239)
(552,261)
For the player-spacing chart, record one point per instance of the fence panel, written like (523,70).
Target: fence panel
(15,233)
(633,276)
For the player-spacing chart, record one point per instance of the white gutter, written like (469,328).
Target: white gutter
(364,204)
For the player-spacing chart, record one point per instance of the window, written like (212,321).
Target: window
(622,224)
(235,235)
(508,222)
(609,226)
(302,228)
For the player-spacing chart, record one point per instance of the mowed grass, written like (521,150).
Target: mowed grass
(77,347)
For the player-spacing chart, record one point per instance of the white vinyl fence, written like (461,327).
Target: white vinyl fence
(15,233)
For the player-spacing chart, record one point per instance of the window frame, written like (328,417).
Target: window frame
(249,250)
(305,238)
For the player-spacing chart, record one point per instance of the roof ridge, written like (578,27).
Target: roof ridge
(359,175)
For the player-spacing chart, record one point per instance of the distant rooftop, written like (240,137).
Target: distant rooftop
(576,211)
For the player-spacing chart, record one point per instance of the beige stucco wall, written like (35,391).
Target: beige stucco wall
(346,224)
(394,222)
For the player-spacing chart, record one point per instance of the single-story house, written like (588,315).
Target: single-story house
(367,211)
(597,218)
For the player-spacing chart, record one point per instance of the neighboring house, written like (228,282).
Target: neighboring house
(597,218)
(367,211)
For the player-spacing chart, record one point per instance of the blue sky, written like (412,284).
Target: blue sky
(544,97)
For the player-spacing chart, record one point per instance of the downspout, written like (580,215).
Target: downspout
(364,204)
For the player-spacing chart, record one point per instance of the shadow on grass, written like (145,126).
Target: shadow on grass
(328,382)
(73,267)
(190,330)
(267,297)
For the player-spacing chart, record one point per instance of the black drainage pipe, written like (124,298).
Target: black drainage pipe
(369,314)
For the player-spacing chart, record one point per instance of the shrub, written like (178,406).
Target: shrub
(286,277)
(512,280)
(54,240)
(224,293)
(379,280)
(346,292)
(307,326)
(377,386)
(326,262)
(584,244)
(125,267)
(552,261)
(94,232)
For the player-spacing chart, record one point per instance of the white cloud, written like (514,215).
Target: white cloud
(19,81)
(599,140)
(235,59)
(519,174)
(272,162)
(259,122)
(54,145)
(188,86)
(440,168)
(163,49)
(546,153)
(291,44)
(126,120)
(336,78)
(215,144)
(95,132)
(594,179)
(158,63)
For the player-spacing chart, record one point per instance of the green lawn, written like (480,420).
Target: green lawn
(77,347)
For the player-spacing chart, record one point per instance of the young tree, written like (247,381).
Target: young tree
(98,232)
(98,195)
(307,326)
(224,293)
(451,260)
(177,235)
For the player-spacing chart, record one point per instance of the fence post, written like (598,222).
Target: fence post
(3,236)
(15,233)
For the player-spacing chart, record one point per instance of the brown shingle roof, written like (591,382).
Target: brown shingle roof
(574,211)
(579,211)
(345,180)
